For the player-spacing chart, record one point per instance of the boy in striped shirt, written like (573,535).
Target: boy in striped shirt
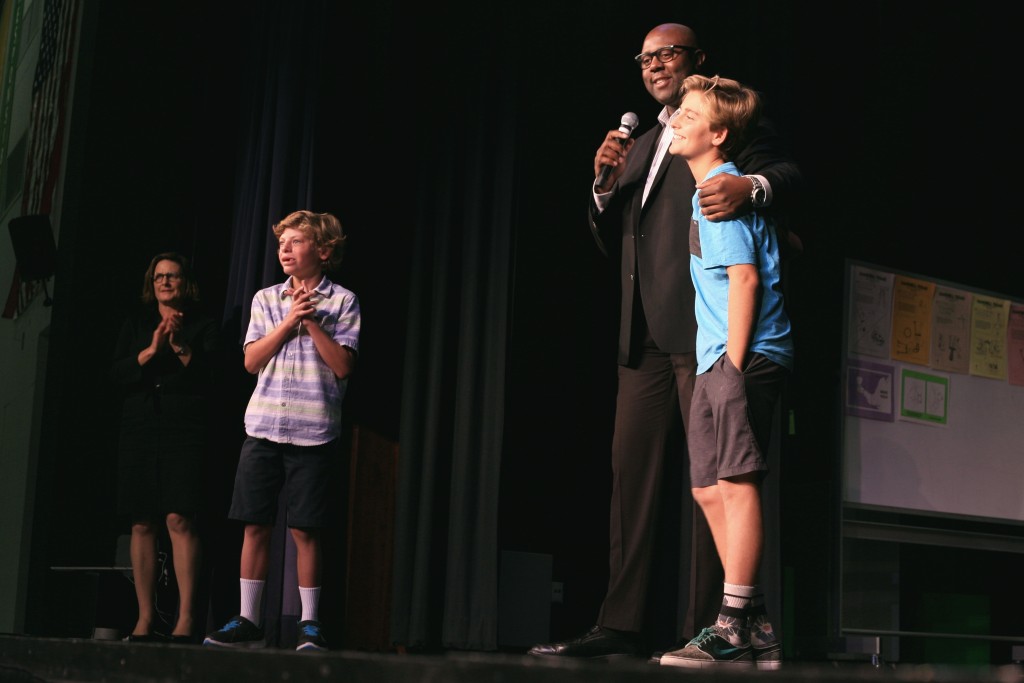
(302,340)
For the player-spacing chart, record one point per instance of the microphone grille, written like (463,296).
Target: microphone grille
(630,120)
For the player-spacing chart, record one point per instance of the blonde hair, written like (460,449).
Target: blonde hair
(728,104)
(323,228)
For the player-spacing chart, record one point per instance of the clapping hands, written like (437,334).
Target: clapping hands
(303,305)
(170,325)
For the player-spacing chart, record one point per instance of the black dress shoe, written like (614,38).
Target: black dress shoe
(597,643)
(146,638)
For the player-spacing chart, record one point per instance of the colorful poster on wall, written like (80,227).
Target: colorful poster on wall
(869,390)
(924,397)
(912,319)
(1015,345)
(951,330)
(989,317)
(870,312)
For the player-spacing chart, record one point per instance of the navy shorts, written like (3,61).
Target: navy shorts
(731,419)
(302,474)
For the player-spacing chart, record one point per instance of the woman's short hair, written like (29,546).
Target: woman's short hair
(189,287)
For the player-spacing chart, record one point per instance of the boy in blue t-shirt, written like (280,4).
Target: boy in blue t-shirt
(744,354)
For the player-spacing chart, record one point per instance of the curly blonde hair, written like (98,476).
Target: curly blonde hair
(323,228)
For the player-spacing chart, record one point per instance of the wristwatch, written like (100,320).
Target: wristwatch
(758,196)
(183,351)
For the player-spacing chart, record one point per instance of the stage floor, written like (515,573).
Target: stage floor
(71,660)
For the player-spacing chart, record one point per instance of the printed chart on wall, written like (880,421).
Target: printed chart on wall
(933,394)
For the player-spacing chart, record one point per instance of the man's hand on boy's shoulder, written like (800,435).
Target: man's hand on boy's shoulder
(725,196)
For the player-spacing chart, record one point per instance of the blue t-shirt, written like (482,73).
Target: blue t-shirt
(713,247)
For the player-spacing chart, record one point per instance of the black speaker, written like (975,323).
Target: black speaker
(34,248)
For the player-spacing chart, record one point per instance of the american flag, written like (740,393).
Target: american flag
(46,128)
(49,105)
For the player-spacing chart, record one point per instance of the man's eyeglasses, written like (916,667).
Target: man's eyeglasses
(170,277)
(664,54)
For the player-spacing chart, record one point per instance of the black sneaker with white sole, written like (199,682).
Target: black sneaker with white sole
(311,637)
(239,632)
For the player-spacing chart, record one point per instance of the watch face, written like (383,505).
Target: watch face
(757,195)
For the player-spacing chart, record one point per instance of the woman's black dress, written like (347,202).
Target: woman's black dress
(165,418)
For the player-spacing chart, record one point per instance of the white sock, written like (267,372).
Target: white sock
(252,599)
(732,617)
(310,603)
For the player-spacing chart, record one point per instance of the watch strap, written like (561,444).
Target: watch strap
(757,192)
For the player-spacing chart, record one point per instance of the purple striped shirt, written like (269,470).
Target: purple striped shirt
(297,399)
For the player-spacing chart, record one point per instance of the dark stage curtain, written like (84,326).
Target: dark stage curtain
(445,581)
(276,162)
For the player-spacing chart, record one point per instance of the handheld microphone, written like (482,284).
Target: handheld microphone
(627,125)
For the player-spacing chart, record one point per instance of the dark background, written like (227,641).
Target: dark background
(900,117)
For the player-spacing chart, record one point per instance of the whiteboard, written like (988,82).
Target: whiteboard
(970,464)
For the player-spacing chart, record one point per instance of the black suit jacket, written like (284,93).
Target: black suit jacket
(653,240)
